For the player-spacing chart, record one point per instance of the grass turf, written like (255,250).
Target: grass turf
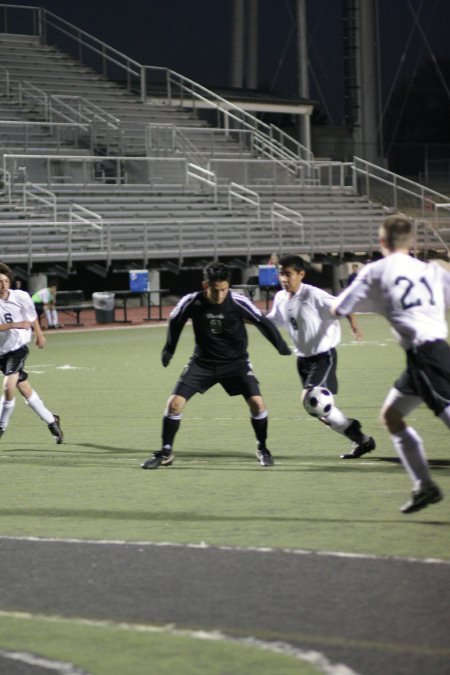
(110,390)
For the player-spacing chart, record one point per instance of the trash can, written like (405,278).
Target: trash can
(104,306)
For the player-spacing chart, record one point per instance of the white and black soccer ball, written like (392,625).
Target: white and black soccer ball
(318,402)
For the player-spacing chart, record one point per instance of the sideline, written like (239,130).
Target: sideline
(316,659)
(237,549)
(60,667)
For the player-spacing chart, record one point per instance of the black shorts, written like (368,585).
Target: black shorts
(236,378)
(319,370)
(13,362)
(39,307)
(427,374)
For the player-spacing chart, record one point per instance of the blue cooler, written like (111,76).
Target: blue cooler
(139,281)
(268,275)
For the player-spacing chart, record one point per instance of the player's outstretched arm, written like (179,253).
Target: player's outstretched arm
(271,333)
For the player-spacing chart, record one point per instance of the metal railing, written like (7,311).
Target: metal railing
(179,89)
(143,239)
(204,176)
(32,193)
(34,134)
(244,194)
(393,190)
(280,213)
(7,79)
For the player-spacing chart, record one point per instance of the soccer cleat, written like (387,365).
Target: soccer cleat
(264,457)
(159,458)
(421,498)
(2,431)
(360,449)
(55,429)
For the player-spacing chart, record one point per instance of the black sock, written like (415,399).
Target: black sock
(170,427)
(260,428)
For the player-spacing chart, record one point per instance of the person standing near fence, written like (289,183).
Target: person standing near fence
(17,318)
(412,295)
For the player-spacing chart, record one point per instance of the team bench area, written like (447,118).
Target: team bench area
(73,303)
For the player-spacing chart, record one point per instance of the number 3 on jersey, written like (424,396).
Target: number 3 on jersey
(413,293)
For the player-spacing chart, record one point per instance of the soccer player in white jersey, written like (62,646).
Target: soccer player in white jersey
(17,318)
(412,295)
(220,356)
(305,311)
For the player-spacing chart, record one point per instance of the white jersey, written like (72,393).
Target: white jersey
(18,307)
(410,293)
(308,319)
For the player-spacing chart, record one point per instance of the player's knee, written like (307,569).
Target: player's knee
(392,419)
(175,405)
(256,405)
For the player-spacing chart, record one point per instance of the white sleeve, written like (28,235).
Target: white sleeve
(275,315)
(29,310)
(446,287)
(356,297)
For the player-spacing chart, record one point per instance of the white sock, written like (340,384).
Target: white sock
(39,408)
(54,317)
(48,316)
(410,449)
(337,421)
(6,409)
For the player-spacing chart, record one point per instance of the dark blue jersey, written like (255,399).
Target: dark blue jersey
(220,332)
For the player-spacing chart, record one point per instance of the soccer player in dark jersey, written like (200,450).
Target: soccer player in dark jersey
(218,316)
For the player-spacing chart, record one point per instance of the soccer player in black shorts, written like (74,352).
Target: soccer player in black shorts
(220,356)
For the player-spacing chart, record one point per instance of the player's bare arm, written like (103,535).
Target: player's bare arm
(39,338)
(353,326)
(15,324)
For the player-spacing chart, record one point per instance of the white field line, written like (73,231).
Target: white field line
(59,667)
(312,657)
(239,549)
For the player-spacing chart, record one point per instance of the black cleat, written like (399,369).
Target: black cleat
(360,449)
(2,431)
(421,498)
(160,458)
(264,457)
(55,429)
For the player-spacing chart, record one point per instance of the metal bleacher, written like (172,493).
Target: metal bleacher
(93,170)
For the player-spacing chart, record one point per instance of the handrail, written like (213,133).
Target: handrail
(196,92)
(426,197)
(203,175)
(74,215)
(85,105)
(48,200)
(6,182)
(288,215)
(7,81)
(246,195)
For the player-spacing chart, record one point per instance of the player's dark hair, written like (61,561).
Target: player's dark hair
(7,271)
(216,271)
(291,260)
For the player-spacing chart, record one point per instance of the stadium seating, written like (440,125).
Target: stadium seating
(92,173)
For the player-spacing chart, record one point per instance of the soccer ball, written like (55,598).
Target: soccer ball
(318,402)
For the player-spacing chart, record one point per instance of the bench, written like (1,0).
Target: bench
(72,302)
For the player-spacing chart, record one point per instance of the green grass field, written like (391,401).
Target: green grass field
(110,390)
